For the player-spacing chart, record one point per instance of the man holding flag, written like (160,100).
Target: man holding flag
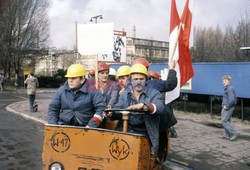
(179,50)
(179,47)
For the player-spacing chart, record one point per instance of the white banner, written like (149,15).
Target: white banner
(94,39)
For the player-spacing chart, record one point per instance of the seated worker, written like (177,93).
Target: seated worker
(108,88)
(167,119)
(139,97)
(74,104)
(160,85)
(122,75)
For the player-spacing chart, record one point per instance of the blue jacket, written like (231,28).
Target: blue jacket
(150,121)
(110,92)
(85,104)
(229,98)
(167,118)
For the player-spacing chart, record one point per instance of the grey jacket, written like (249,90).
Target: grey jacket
(32,84)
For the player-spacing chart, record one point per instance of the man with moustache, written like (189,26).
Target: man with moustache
(139,97)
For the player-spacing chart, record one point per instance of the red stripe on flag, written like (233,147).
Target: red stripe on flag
(174,17)
(185,59)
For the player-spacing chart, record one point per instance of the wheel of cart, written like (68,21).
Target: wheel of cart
(80,148)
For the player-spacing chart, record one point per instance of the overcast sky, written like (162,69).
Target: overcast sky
(150,17)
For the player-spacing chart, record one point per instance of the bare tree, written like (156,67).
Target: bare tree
(24,27)
(214,45)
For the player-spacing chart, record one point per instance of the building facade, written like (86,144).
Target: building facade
(154,51)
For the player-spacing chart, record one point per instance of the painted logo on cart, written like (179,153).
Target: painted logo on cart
(60,142)
(119,149)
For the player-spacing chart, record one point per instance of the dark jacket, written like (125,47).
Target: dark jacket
(85,104)
(150,121)
(164,85)
(229,97)
(167,118)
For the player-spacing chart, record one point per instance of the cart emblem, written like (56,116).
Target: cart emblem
(60,142)
(119,149)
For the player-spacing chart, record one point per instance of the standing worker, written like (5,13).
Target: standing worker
(32,84)
(228,104)
(76,103)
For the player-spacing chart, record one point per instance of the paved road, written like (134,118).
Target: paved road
(197,145)
(20,139)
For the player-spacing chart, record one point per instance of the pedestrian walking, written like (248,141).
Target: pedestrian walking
(228,104)
(32,84)
(1,82)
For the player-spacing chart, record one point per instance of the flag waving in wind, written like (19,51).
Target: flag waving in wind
(179,47)
(185,60)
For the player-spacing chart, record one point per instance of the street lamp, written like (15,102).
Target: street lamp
(95,17)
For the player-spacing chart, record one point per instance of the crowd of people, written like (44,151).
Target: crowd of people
(82,102)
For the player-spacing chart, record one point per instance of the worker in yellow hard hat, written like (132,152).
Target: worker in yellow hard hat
(139,97)
(167,119)
(75,103)
(122,75)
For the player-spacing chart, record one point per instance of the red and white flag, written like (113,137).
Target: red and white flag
(185,59)
(179,48)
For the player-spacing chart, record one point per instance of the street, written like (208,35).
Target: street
(20,139)
(196,147)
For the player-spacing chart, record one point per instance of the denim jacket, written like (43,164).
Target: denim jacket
(229,98)
(85,104)
(149,96)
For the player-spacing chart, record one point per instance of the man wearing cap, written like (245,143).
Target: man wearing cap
(74,104)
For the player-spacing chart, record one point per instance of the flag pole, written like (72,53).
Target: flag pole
(96,71)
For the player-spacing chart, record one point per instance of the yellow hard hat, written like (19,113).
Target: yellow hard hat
(76,70)
(123,71)
(139,68)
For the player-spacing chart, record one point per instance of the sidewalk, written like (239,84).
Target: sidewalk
(197,145)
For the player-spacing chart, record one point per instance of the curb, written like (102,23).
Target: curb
(8,108)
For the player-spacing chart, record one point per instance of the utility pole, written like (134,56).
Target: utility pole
(134,31)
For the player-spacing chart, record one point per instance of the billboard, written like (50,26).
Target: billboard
(95,39)
(119,49)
